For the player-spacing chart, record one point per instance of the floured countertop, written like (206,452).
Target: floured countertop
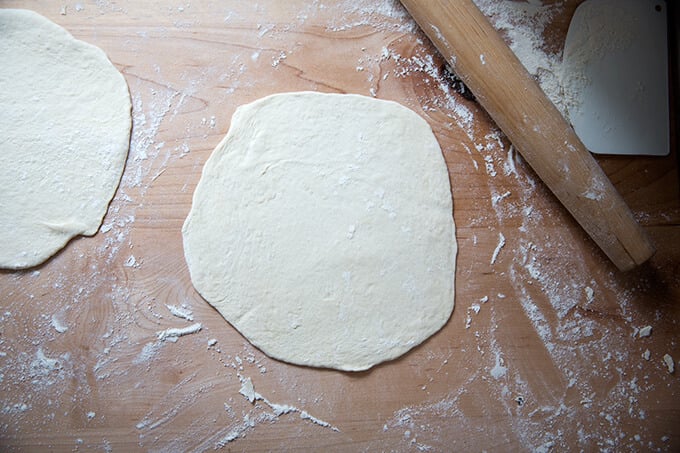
(108,347)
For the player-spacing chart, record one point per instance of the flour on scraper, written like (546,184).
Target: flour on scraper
(64,137)
(322,229)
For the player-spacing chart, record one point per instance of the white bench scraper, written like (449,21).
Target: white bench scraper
(615,76)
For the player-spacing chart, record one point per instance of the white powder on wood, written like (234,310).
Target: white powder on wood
(523,25)
(248,391)
(498,371)
(645,332)
(501,244)
(58,324)
(181,312)
(173,334)
(669,362)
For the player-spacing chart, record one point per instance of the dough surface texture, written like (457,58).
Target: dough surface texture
(322,229)
(64,136)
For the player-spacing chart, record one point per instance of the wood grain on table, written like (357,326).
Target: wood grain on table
(542,350)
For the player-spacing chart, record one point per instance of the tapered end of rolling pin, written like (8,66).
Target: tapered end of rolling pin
(514,100)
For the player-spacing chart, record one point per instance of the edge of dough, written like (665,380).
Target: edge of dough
(64,230)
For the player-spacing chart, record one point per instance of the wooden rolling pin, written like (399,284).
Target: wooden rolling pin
(515,101)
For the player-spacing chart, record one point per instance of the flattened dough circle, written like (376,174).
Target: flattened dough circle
(322,229)
(64,137)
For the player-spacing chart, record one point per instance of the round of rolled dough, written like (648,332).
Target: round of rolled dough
(322,229)
(64,137)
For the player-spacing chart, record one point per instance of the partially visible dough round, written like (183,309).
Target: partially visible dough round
(322,229)
(64,136)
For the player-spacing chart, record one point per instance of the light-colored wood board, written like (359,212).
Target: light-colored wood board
(550,359)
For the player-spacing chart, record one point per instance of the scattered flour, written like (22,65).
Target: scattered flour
(523,25)
(45,371)
(499,370)
(173,333)
(250,421)
(501,244)
(131,262)
(645,332)
(474,308)
(58,324)
(242,429)
(248,391)
(669,362)
(148,352)
(181,312)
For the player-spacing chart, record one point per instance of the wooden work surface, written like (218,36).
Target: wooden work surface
(541,351)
